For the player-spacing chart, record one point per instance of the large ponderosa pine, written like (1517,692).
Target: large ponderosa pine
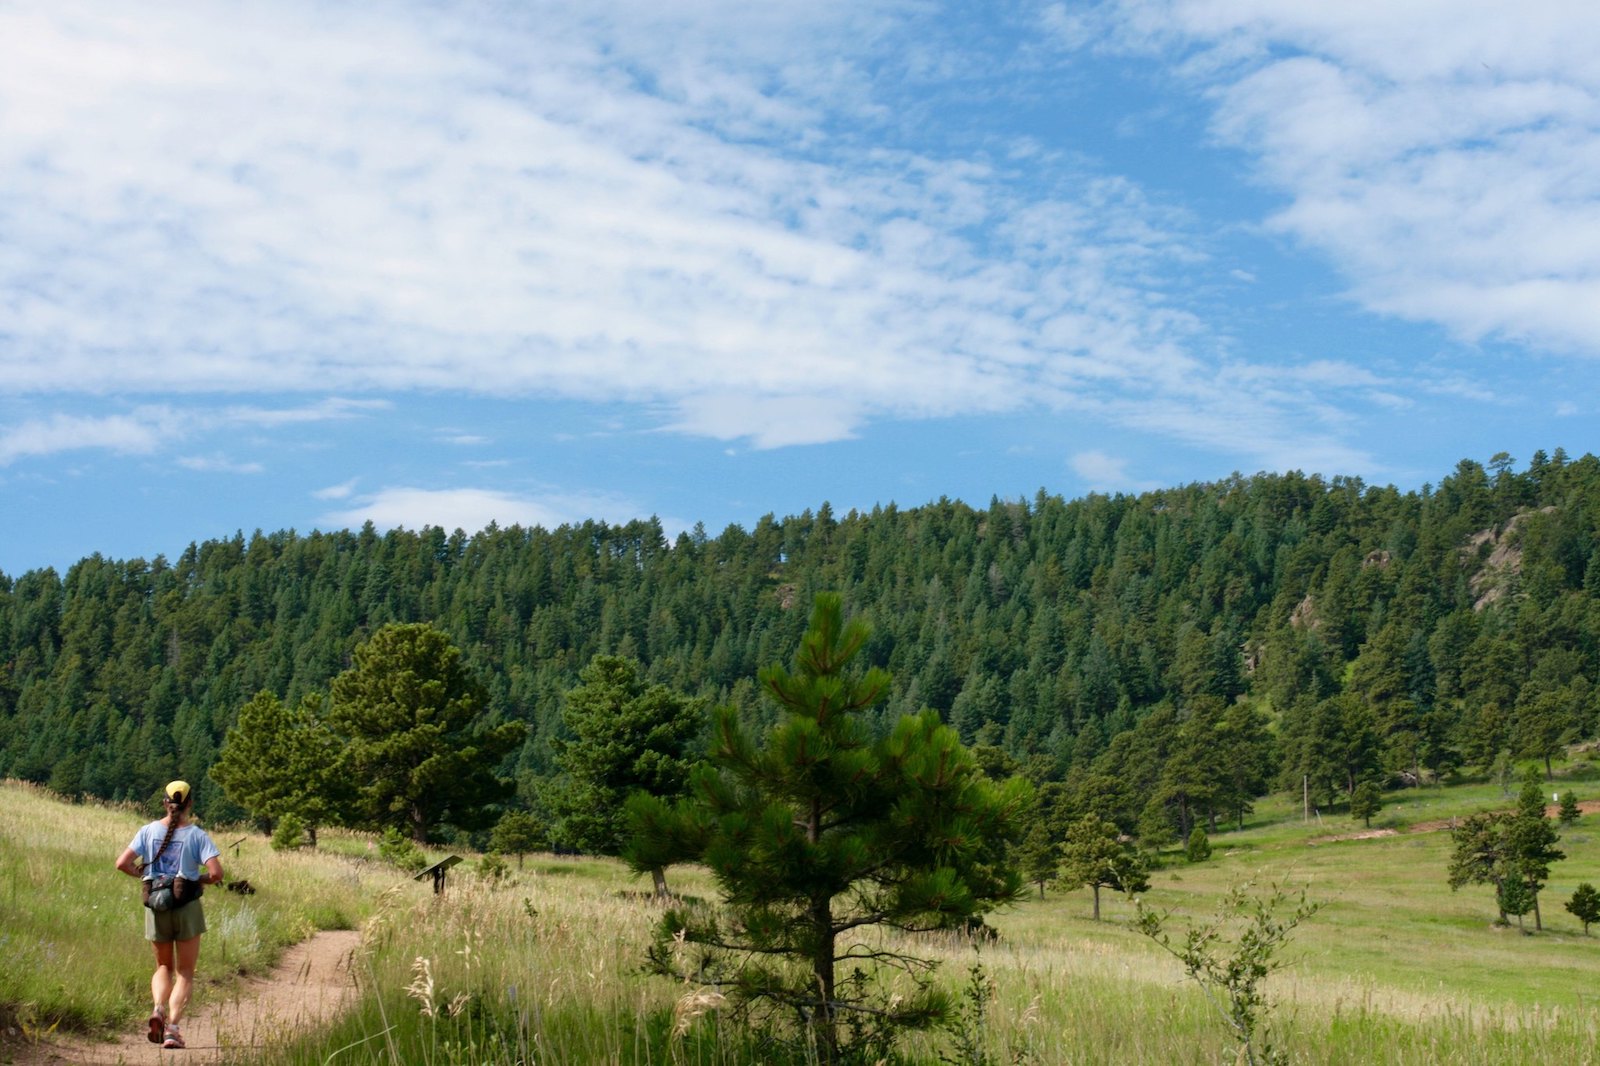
(825,830)
(416,746)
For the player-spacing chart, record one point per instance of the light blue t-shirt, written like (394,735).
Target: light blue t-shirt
(189,851)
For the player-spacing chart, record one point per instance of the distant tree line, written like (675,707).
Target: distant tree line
(1158,660)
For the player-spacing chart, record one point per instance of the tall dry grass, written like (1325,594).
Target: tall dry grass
(546,969)
(545,966)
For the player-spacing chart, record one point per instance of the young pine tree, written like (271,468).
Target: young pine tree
(1365,802)
(1095,855)
(1531,842)
(278,762)
(1585,905)
(826,829)
(627,736)
(1037,856)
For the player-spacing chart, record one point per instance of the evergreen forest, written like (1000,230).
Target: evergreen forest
(1165,657)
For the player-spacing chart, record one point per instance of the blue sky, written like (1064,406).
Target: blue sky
(301,265)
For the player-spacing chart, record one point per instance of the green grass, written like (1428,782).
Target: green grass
(545,967)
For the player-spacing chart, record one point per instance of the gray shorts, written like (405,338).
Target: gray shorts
(185,923)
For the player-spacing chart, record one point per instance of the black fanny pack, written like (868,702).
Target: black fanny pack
(168,893)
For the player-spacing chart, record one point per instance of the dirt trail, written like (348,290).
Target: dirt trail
(308,986)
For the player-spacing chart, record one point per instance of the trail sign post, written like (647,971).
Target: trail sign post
(437,872)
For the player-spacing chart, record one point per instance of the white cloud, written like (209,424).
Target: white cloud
(147,429)
(218,464)
(333,408)
(635,205)
(1445,155)
(341,491)
(473,509)
(1102,472)
(138,433)
(709,210)
(774,422)
(1099,469)
(463,439)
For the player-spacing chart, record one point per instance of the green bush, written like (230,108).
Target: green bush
(492,867)
(289,833)
(401,851)
(1198,849)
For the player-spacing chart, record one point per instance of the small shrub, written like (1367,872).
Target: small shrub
(289,833)
(401,851)
(966,1024)
(1198,849)
(1233,953)
(492,868)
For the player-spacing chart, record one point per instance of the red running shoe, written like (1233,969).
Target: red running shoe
(174,1038)
(158,1025)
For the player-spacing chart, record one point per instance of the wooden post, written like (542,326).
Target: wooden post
(437,872)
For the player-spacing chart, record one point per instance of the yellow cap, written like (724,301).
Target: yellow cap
(179,792)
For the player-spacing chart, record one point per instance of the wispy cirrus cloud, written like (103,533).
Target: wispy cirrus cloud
(147,429)
(219,464)
(689,207)
(341,491)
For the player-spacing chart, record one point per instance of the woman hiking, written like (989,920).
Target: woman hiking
(173,858)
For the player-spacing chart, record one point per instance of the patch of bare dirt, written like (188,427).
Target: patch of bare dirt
(1365,834)
(309,986)
(1550,811)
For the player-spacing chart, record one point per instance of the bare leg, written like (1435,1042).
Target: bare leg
(188,952)
(161,980)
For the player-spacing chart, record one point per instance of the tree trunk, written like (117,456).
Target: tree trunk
(659,876)
(1096,887)
(1538,923)
(419,826)
(824,1033)
(311,834)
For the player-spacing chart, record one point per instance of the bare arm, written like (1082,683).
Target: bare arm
(127,862)
(213,874)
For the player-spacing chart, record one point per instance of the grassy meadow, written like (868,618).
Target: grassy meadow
(544,966)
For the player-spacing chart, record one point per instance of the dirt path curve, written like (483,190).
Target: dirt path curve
(309,985)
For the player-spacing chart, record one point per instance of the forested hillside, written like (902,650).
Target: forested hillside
(1192,645)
